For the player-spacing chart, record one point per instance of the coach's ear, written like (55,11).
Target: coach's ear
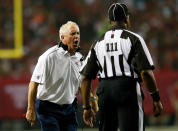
(62,37)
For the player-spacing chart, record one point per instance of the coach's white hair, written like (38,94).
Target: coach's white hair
(65,28)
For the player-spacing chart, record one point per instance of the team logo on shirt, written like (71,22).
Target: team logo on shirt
(77,63)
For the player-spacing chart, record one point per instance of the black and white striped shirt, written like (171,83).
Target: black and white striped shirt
(118,52)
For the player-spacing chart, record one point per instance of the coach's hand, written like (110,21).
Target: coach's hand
(31,116)
(89,117)
(157,108)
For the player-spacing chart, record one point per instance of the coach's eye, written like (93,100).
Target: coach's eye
(73,33)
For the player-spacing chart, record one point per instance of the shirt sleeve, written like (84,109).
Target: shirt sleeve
(90,67)
(39,73)
(142,57)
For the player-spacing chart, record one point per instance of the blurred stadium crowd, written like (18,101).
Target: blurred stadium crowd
(155,20)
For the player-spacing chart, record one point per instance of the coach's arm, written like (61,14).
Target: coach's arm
(32,92)
(150,83)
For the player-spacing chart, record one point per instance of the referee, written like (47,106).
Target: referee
(121,61)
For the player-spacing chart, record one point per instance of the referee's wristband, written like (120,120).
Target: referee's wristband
(155,96)
(93,98)
(87,107)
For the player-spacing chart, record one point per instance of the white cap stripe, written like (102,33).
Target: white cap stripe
(110,7)
(113,11)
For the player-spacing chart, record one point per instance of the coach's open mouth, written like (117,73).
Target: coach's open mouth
(76,42)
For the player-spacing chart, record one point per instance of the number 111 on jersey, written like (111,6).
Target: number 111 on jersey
(111,47)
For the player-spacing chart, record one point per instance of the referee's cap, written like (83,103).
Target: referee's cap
(117,12)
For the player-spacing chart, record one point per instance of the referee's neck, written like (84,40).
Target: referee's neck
(118,23)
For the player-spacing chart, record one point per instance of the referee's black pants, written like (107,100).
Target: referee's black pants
(120,105)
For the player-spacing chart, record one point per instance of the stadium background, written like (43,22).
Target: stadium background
(29,27)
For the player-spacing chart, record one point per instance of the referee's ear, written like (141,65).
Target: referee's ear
(128,22)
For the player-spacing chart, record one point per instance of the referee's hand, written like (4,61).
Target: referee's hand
(94,105)
(157,108)
(89,117)
(31,116)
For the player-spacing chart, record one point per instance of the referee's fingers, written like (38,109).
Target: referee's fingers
(88,122)
(91,122)
(157,108)
(88,117)
(94,117)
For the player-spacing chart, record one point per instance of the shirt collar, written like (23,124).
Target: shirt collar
(60,44)
(62,48)
(65,48)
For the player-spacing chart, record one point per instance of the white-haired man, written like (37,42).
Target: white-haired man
(55,82)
